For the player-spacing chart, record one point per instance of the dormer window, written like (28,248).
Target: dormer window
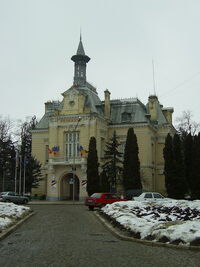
(126,117)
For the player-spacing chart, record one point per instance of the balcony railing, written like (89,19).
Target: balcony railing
(67,161)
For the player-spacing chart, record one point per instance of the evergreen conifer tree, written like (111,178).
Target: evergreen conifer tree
(104,183)
(179,182)
(93,181)
(195,169)
(113,162)
(169,164)
(131,164)
(7,165)
(7,156)
(29,165)
(188,145)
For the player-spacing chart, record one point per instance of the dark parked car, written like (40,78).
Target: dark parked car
(13,197)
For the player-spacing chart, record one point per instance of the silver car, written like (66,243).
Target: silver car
(13,197)
(150,196)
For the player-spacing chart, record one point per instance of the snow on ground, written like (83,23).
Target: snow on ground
(170,221)
(10,213)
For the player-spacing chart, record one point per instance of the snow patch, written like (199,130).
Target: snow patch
(10,213)
(172,221)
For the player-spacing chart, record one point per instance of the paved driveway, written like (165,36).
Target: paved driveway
(71,236)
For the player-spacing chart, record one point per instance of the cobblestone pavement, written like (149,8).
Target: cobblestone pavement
(71,236)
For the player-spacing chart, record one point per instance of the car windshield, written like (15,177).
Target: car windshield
(11,193)
(96,195)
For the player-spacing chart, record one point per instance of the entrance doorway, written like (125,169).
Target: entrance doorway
(66,187)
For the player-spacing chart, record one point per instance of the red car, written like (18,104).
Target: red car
(101,199)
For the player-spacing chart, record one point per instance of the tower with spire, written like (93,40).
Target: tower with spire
(80,61)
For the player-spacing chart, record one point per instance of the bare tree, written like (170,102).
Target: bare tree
(6,126)
(186,125)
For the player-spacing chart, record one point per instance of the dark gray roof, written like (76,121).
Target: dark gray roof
(92,99)
(50,107)
(123,111)
(43,123)
(128,111)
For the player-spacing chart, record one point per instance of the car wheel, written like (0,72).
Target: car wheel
(91,208)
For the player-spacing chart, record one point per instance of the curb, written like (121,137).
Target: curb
(119,234)
(11,229)
(54,203)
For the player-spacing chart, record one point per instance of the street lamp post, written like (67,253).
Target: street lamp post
(74,155)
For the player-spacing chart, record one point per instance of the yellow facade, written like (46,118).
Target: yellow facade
(82,115)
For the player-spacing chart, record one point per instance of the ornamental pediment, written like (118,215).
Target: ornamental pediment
(73,102)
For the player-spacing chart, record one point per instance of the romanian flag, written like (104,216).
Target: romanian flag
(54,150)
(50,151)
(83,182)
(53,182)
(82,150)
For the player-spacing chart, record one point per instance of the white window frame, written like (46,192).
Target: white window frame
(71,144)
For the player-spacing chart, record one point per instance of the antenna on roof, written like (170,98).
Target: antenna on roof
(80,34)
(154,84)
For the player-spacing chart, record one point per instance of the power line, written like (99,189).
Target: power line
(181,84)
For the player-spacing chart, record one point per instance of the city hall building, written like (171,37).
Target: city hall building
(61,138)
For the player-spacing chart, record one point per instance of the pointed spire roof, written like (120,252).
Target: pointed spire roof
(80,54)
(80,50)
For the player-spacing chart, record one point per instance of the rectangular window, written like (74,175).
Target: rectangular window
(148,196)
(72,144)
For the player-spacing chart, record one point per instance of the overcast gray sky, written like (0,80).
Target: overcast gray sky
(38,38)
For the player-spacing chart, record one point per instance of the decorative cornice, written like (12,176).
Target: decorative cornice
(138,125)
(40,131)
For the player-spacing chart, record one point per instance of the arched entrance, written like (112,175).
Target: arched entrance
(66,187)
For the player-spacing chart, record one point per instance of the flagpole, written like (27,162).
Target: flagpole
(20,173)
(16,165)
(24,187)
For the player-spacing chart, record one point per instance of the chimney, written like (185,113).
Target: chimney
(167,112)
(48,106)
(152,104)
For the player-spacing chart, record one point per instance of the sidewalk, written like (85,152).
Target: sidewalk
(59,202)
